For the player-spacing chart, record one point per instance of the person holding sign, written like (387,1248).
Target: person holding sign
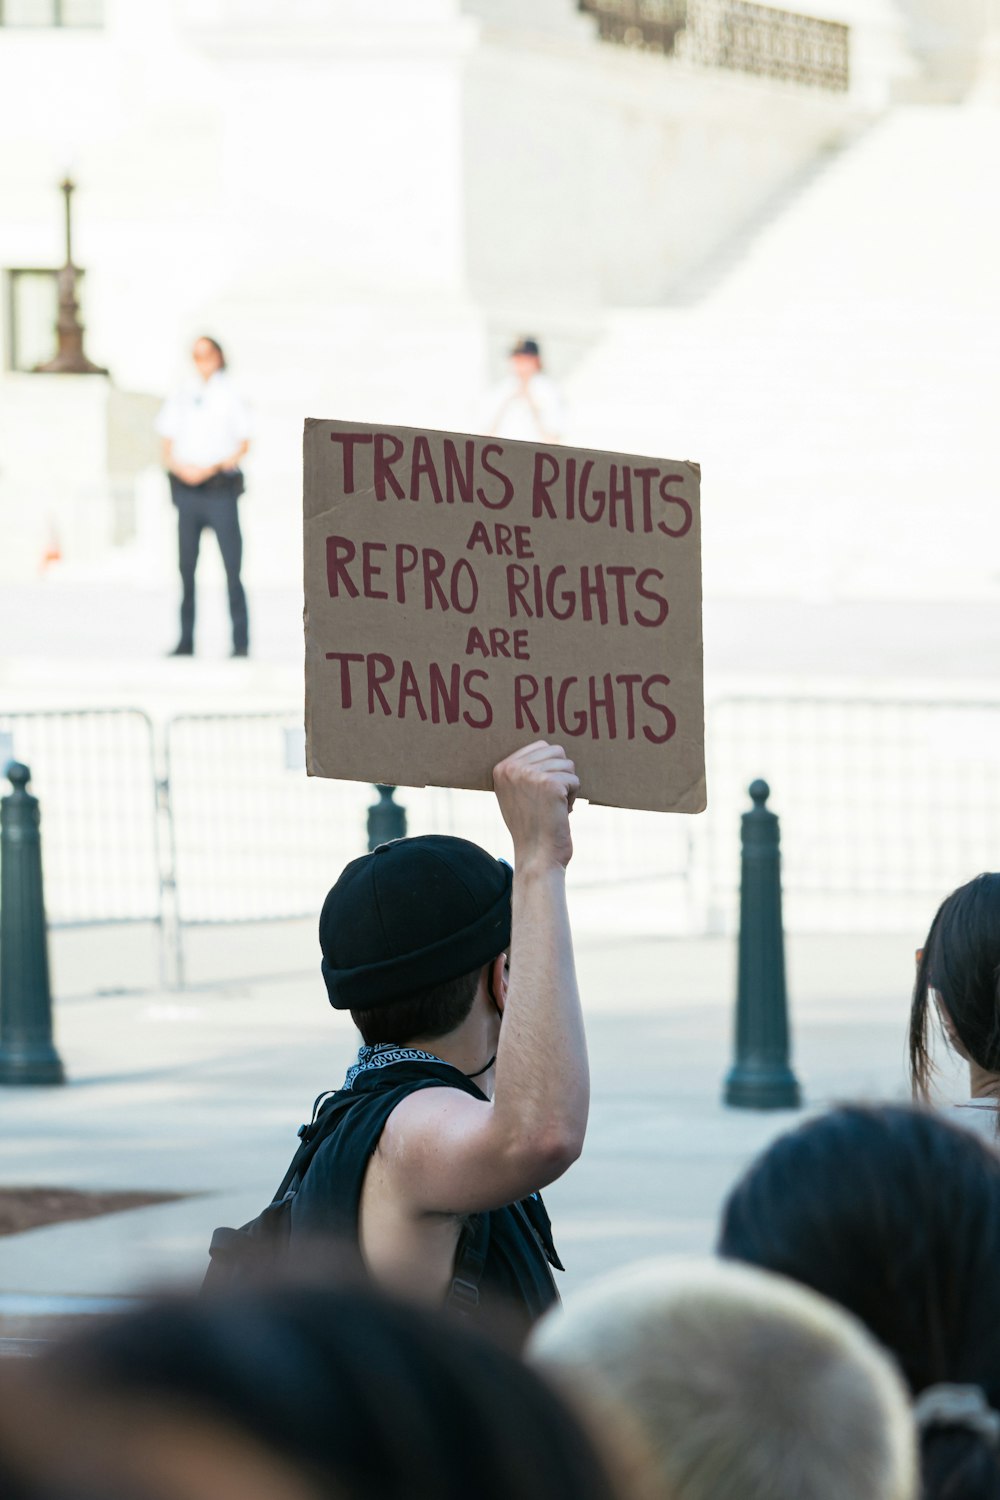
(471,1090)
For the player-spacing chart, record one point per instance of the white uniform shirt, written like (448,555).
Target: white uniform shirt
(509,413)
(206,421)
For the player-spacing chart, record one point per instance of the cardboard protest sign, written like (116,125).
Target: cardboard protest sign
(466,596)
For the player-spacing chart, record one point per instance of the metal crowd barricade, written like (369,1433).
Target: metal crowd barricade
(885,805)
(615,844)
(252,838)
(94,773)
(613,847)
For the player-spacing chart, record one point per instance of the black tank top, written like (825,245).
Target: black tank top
(516,1283)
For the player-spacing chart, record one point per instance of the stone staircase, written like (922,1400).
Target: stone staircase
(834,370)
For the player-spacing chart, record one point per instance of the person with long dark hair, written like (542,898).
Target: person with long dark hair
(958,981)
(895,1214)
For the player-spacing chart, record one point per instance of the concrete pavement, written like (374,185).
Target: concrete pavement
(71,637)
(200,1092)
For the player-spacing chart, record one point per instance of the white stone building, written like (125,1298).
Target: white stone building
(364,200)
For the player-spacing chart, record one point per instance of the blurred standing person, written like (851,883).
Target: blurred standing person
(205,427)
(526,404)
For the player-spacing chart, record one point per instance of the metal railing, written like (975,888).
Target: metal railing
(732,34)
(884,806)
(252,838)
(94,773)
(772,43)
(650,25)
(46,13)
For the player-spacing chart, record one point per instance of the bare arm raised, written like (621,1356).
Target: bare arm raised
(449,1153)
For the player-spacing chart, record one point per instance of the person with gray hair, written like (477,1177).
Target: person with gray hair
(704,1380)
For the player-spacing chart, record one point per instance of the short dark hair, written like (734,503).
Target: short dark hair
(428,1013)
(961,961)
(895,1214)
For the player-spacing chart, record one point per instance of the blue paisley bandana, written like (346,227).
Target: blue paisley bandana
(383,1055)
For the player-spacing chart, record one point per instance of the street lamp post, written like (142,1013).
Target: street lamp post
(70,358)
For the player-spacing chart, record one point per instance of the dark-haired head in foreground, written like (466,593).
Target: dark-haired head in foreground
(959,974)
(346,1392)
(895,1214)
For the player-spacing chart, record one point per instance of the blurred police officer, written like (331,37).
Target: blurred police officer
(205,428)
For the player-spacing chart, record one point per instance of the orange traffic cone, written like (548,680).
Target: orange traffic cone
(51,552)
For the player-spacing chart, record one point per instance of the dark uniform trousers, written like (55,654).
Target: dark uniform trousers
(215,504)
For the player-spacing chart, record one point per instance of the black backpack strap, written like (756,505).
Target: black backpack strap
(470,1263)
(295,1167)
(474,1241)
(532,1211)
(310,1137)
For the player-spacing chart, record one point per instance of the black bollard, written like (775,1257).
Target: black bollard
(386,819)
(26,1051)
(761,1078)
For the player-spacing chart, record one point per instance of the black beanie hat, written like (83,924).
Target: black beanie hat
(415,913)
